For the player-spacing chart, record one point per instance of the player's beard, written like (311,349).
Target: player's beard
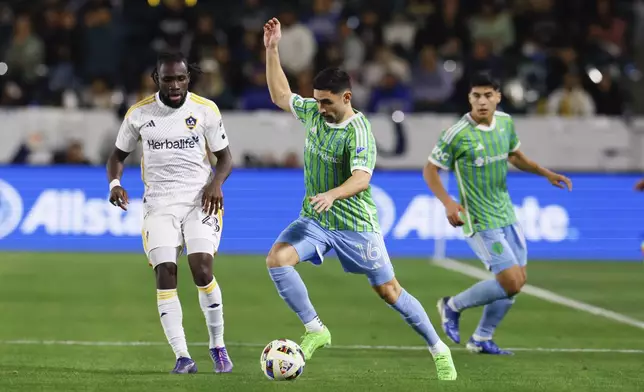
(173,104)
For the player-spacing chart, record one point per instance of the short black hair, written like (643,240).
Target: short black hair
(332,79)
(172,57)
(484,79)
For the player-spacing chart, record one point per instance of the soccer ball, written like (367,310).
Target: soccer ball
(282,360)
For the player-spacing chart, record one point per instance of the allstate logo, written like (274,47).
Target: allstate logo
(10,209)
(386,209)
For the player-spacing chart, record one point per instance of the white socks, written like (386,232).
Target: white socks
(314,325)
(439,348)
(171,317)
(212,306)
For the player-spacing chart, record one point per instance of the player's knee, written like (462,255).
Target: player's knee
(281,255)
(512,285)
(389,291)
(201,268)
(166,276)
(512,280)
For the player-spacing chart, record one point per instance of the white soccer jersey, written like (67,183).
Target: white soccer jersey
(175,166)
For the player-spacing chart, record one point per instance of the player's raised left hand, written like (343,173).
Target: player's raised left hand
(212,199)
(561,182)
(322,202)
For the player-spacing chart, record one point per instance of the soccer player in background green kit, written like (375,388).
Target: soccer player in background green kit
(477,149)
(337,212)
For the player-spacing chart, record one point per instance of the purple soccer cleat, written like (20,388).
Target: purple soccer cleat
(486,347)
(184,366)
(449,320)
(219,356)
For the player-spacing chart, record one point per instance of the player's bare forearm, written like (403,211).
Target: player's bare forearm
(434,182)
(276,79)
(519,160)
(358,182)
(224,165)
(115,164)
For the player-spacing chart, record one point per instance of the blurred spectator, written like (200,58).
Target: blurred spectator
(297,46)
(493,25)
(98,95)
(211,84)
(71,155)
(353,48)
(324,20)
(99,43)
(391,95)
(385,62)
(77,49)
(607,96)
(445,29)
(25,53)
(607,31)
(570,99)
(207,38)
(433,85)
(256,96)
(174,27)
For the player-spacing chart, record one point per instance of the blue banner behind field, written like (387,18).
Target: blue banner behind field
(66,209)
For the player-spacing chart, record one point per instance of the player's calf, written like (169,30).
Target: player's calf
(210,301)
(412,312)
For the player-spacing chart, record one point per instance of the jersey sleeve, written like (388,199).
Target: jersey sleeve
(128,135)
(215,133)
(303,108)
(443,152)
(362,147)
(515,143)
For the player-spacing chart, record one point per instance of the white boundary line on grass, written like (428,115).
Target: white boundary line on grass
(350,347)
(546,295)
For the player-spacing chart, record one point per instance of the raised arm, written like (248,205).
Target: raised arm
(277,83)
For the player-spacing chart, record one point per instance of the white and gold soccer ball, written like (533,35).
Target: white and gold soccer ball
(282,360)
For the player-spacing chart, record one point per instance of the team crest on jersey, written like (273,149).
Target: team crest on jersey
(191,122)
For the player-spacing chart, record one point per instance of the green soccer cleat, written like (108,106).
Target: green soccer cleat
(311,341)
(445,366)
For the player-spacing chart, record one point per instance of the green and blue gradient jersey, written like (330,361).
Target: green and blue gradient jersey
(478,155)
(331,153)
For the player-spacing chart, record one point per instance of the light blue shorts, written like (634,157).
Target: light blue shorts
(500,249)
(359,252)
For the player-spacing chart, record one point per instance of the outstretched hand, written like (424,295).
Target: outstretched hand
(561,182)
(272,33)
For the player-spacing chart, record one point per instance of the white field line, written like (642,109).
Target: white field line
(349,347)
(546,295)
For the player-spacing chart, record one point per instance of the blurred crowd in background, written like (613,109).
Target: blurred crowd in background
(556,57)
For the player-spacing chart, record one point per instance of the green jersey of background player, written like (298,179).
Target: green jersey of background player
(477,149)
(338,212)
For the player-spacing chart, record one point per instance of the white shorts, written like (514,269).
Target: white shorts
(177,226)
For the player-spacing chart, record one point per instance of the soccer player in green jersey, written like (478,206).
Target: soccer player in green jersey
(338,211)
(477,149)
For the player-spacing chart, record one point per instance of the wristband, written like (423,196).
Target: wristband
(114,182)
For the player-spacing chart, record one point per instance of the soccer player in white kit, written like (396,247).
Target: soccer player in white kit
(183,200)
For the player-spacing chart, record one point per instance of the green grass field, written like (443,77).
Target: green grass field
(89,299)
